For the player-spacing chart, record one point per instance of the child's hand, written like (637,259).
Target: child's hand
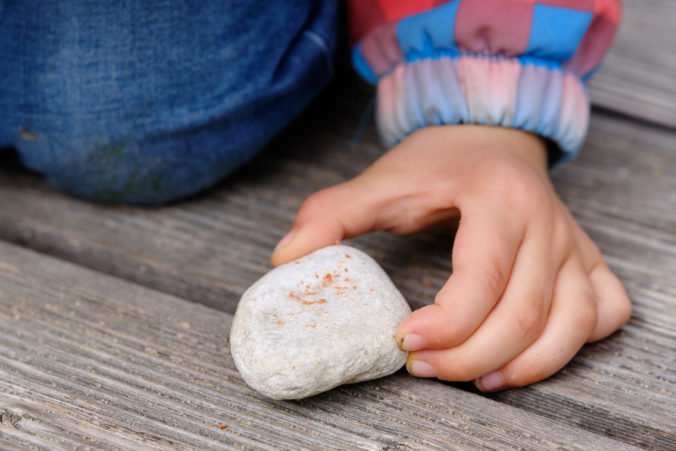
(528,288)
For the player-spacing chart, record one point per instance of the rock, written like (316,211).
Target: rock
(326,319)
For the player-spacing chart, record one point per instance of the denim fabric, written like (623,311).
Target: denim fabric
(147,102)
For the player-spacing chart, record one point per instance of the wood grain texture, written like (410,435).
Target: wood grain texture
(637,75)
(210,249)
(87,360)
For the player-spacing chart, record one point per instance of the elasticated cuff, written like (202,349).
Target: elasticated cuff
(529,94)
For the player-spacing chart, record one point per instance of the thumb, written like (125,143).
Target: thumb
(330,215)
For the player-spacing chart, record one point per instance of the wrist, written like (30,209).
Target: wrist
(525,146)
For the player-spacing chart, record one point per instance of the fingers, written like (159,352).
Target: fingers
(613,303)
(338,212)
(369,202)
(483,256)
(511,327)
(571,319)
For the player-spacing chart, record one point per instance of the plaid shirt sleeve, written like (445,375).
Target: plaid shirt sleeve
(514,63)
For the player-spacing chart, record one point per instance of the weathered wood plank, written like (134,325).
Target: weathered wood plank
(89,360)
(214,246)
(637,77)
(210,249)
(642,21)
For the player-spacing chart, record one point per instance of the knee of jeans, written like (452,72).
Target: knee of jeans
(147,172)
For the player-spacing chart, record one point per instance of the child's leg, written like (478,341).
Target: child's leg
(135,103)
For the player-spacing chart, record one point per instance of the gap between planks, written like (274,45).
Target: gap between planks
(92,361)
(622,387)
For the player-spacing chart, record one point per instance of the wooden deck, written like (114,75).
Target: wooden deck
(114,320)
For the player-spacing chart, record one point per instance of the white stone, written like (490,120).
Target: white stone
(326,319)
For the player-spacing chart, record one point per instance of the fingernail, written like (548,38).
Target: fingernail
(286,239)
(422,369)
(413,342)
(491,382)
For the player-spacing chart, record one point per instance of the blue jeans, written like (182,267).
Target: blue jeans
(148,102)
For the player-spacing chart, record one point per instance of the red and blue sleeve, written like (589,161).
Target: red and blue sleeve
(513,63)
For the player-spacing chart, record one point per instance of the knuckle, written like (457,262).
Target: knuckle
(621,305)
(516,378)
(314,204)
(587,314)
(594,251)
(512,378)
(624,309)
(562,236)
(454,332)
(529,321)
(493,276)
(407,225)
